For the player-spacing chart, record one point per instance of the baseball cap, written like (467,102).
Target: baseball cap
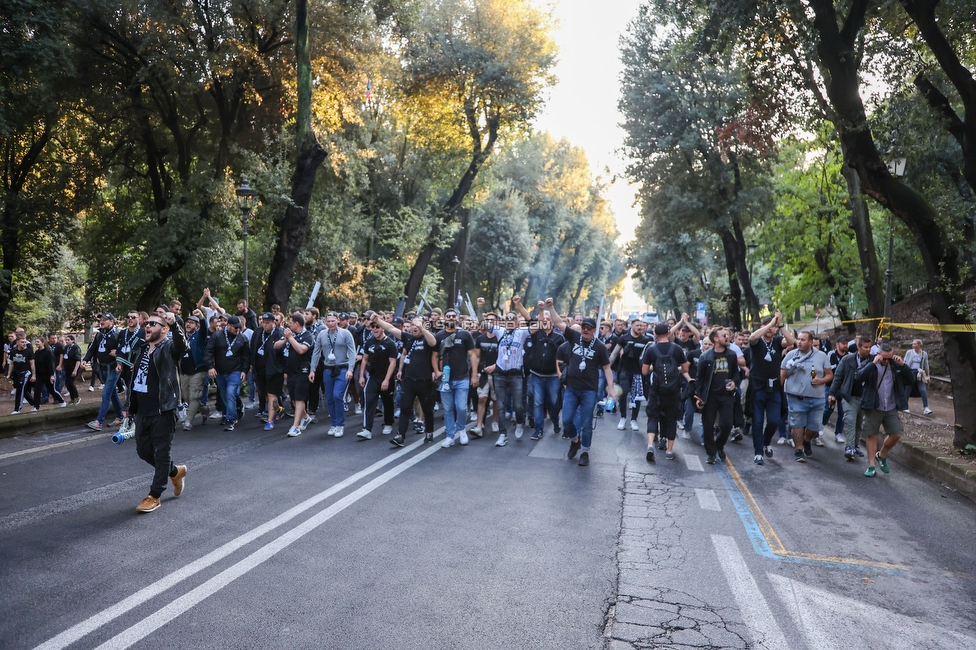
(343,316)
(267,316)
(108,316)
(661,329)
(234,320)
(589,322)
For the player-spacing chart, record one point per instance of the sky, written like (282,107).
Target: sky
(582,106)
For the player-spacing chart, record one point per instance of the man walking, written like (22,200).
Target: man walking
(665,361)
(154,398)
(588,357)
(228,359)
(804,373)
(104,350)
(887,381)
(844,388)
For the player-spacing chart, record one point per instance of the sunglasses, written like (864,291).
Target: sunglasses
(153,323)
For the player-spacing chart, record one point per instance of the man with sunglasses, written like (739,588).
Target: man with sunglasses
(379,363)
(456,351)
(886,384)
(154,398)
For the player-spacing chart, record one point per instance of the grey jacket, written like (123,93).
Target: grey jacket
(344,348)
(843,382)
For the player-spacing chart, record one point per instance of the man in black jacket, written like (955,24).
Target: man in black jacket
(154,398)
(718,372)
(885,392)
(104,350)
(228,360)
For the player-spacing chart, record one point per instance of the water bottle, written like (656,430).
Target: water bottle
(610,405)
(125,432)
(445,380)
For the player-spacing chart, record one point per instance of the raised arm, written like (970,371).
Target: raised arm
(557,320)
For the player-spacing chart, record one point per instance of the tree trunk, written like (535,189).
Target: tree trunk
(735,293)
(293,228)
(835,49)
(861,224)
(742,271)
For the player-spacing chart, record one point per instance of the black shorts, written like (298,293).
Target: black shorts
(273,384)
(298,387)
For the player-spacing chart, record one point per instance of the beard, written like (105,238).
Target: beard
(156,335)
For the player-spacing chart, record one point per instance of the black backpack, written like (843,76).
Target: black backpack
(667,375)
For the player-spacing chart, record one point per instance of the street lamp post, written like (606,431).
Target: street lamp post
(454,289)
(897,168)
(708,286)
(246,197)
(752,246)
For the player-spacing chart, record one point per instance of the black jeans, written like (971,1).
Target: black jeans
(720,404)
(420,389)
(372,392)
(154,444)
(662,413)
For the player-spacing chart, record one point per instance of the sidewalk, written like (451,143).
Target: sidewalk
(50,414)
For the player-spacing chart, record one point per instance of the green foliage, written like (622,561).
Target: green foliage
(500,243)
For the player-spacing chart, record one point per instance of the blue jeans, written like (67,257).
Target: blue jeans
(229,386)
(578,407)
(110,394)
(769,405)
(335,391)
(545,390)
(455,406)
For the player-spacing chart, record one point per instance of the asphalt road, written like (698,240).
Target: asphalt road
(313,542)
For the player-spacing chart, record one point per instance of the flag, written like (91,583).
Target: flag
(369,89)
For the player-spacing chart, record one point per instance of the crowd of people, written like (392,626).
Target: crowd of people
(503,373)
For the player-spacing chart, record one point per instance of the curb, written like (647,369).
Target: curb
(15,425)
(935,463)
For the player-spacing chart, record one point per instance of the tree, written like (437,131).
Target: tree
(293,225)
(836,44)
(41,188)
(489,60)
(696,140)
(501,243)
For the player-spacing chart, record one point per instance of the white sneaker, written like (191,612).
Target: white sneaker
(622,424)
(839,438)
(187,426)
(250,405)
(685,435)
(365,435)
(510,417)
(359,409)
(448,442)
(463,437)
(633,425)
(472,417)
(63,405)
(518,431)
(305,421)
(927,411)
(15,413)
(476,432)
(437,406)
(502,440)
(781,441)
(216,415)
(681,426)
(294,431)
(331,431)
(387,430)
(818,441)
(339,432)
(494,427)
(34,410)
(90,390)
(907,411)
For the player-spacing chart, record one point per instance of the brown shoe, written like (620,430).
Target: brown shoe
(178,480)
(148,504)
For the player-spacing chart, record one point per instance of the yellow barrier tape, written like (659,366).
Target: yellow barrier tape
(884,325)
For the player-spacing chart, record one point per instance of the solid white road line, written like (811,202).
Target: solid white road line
(693,462)
(109,614)
(150,624)
(755,611)
(37,450)
(707,500)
